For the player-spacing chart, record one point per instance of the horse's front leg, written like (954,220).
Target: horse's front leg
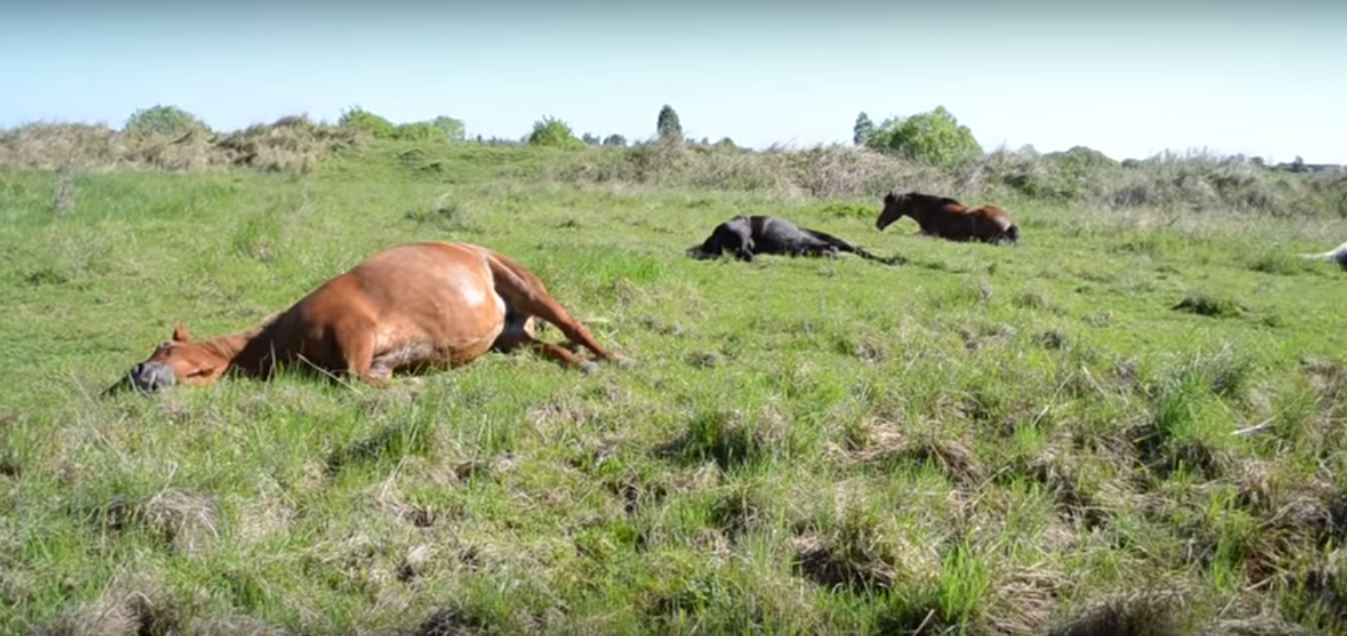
(355,341)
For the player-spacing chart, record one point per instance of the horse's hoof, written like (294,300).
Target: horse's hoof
(587,367)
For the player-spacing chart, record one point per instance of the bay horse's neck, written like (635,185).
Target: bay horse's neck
(922,215)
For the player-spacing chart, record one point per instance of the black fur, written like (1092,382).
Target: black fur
(746,237)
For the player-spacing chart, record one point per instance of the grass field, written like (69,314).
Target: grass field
(987,440)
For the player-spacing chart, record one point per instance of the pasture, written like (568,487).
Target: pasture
(1137,414)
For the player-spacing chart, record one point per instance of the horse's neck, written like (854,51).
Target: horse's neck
(923,216)
(235,348)
(228,347)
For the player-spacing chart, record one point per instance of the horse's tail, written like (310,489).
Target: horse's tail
(843,246)
(1337,255)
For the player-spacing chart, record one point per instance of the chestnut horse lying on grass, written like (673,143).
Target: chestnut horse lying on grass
(949,219)
(411,306)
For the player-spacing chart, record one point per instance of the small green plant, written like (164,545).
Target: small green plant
(1279,262)
(554,133)
(964,581)
(164,120)
(848,209)
(1213,305)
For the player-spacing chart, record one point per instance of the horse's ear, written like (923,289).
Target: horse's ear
(889,198)
(180,333)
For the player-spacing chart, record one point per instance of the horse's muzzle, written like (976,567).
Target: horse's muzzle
(152,376)
(699,253)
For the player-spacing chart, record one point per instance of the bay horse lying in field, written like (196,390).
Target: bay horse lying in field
(949,219)
(411,306)
(746,237)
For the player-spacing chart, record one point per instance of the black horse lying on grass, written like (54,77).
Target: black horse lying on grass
(746,237)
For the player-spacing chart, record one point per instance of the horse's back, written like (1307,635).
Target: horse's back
(420,286)
(996,215)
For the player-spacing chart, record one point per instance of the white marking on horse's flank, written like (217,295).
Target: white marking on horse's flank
(473,295)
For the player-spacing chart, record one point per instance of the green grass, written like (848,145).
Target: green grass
(985,440)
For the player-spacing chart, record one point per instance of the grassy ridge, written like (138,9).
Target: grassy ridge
(988,440)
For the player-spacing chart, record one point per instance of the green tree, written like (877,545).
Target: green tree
(164,120)
(863,130)
(669,128)
(419,131)
(590,139)
(453,128)
(615,140)
(357,118)
(553,132)
(936,138)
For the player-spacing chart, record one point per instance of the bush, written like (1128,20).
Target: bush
(615,140)
(361,120)
(553,132)
(935,138)
(164,120)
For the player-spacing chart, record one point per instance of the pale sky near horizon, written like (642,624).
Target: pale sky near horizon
(1129,79)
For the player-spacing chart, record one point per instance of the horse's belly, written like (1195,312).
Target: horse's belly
(452,332)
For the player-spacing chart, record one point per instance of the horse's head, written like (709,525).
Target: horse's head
(706,251)
(895,206)
(719,240)
(179,360)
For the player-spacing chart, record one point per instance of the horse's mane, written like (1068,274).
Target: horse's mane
(930,199)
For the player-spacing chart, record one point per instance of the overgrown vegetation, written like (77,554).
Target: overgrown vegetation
(930,151)
(1133,423)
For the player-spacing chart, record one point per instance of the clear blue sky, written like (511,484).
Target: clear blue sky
(1130,79)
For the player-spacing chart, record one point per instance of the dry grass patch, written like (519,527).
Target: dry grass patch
(130,605)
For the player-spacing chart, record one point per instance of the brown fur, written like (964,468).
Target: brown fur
(949,219)
(407,307)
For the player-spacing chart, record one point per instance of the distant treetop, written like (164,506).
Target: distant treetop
(164,120)
(669,128)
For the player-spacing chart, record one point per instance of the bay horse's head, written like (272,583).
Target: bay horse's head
(178,360)
(895,206)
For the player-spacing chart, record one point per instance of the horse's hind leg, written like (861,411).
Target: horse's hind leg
(526,294)
(516,335)
(550,310)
